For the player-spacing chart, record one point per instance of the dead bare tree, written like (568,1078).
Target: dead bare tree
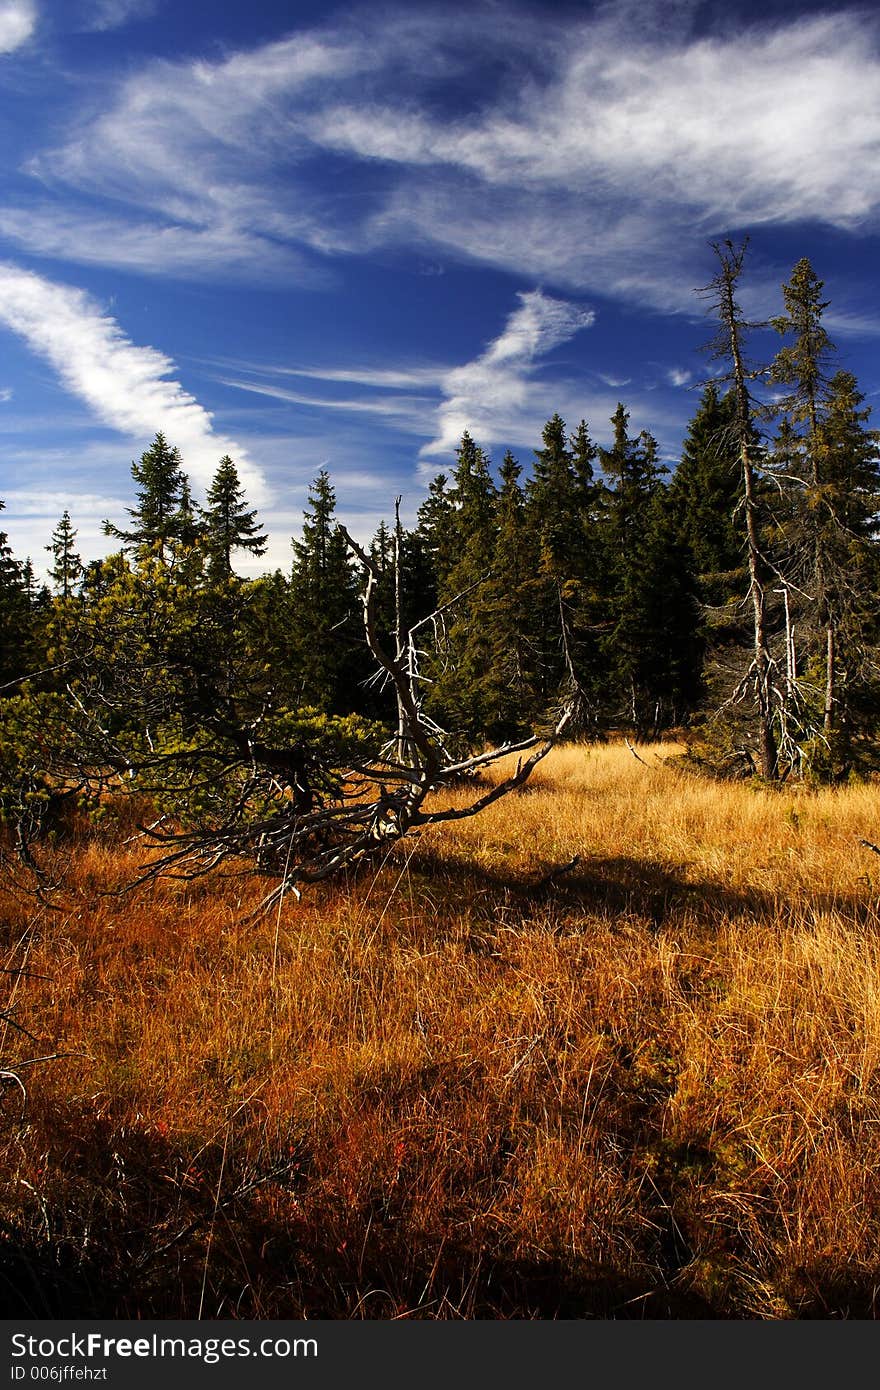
(729,346)
(366,806)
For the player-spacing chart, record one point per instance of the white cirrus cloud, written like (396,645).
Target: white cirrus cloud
(596,153)
(127,387)
(751,123)
(196,157)
(101,15)
(406,412)
(391,378)
(148,244)
(679,376)
(494,396)
(18,19)
(502,396)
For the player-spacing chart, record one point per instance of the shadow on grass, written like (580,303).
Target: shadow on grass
(33,1287)
(259,1271)
(118,1239)
(619,889)
(290,1250)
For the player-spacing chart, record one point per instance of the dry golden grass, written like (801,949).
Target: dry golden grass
(460,1086)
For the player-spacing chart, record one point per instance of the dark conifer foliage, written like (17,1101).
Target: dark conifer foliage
(802,365)
(554,516)
(229,525)
(15,625)
(163,509)
(435,540)
(554,496)
(67,568)
(829,489)
(729,348)
(650,640)
(704,495)
(187,526)
(458,698)
(584,454)
(323,613)
(843,507)
(512,685)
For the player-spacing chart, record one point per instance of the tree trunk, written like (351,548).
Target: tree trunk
(402,742)
(769,753)
(830,676)
(731,267)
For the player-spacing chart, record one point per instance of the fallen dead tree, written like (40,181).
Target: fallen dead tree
(319,827)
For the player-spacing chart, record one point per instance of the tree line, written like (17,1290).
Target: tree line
(736,596)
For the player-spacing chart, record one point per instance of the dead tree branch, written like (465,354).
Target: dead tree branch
(369,804)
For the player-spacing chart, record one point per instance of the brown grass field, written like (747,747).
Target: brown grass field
(457,1086)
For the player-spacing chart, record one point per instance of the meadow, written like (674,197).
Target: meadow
(475,1080)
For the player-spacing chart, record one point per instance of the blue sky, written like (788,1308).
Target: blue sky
(316,235)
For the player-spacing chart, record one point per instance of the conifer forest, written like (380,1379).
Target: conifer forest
(734,597)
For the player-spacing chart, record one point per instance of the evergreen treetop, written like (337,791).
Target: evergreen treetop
(68,567)
(161,489)
(229,524)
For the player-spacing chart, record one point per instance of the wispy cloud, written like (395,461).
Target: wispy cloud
(679,376)
(127,387)
(653,107)
(493,395)
(177,249)
(209,151)
(614,138)
(406,412)
(101,15)
(5,394)
(18,19)
(389,378)
(502,396)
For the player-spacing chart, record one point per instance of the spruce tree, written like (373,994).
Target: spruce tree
(229,524)
(434,544)
(511,689)
(668,633)
(157,518)
(704,494)
(187,526)
(584,455)
(324,608)
(809,523)
(646,652)
(14,615)
(458,695)
(10,568)
(801,364)
(473,494)
(68,567)
(382,555)
(560,498)
(844,504)
(553,493)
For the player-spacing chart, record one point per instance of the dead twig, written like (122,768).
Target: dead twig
(635,754)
